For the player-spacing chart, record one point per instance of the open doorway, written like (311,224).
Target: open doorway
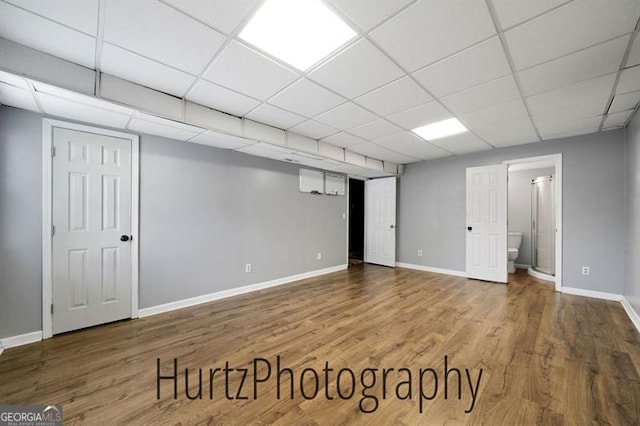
(356,221)
(535,216)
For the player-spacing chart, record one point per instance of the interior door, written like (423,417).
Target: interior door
(91,257)
(380,221)
(487,223)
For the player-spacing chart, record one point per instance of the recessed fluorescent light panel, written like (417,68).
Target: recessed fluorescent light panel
(441,129)
(299,32)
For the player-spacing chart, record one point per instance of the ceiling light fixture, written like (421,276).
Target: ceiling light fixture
(440,129)
(299,32)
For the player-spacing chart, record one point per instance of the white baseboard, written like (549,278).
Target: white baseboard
(430,269)
(522,266)
(19,340)
(172,306)
(591,293)
(631,313)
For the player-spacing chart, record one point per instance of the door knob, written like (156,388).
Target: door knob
(392,226)
(469,228)
(126,238)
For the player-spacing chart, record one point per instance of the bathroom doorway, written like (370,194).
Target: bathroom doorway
(535,216)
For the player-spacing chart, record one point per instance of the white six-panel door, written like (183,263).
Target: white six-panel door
(487,223)
(91,214)
(380,221)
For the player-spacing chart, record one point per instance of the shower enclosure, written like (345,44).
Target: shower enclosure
(543,227)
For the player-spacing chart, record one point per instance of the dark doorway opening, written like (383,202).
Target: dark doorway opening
(356,221)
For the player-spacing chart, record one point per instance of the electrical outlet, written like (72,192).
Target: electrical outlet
(586,270)
(319,256)
(419,252)
(247,268)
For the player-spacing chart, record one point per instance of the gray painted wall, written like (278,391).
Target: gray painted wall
(520,208)
(204,214)
(432,208)
(632,210)
(20,222)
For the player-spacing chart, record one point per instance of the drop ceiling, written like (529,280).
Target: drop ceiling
(513,72)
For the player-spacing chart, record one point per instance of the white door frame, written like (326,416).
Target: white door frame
(47,203)
(546,161)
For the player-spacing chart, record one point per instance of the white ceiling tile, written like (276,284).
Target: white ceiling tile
(357,70)
(331,165)
(55,105)
(330,151)
(222,15)
(634,55)
(479,64)
(221,140)
(512,12)
(222,99)
(261,132)
(439,28)
(375,129)
(274,116)
(629,80)
(13,80)
(146,123)
(346,116)
(464,143)
(17,97)
(132,67)
(80,98)
(379,153)
(568,96)
(420,115)
(247,71)
(571,128)
(368,13)
(586,109)
(507,133)
(487,95)
(299,143)
(344,140)
(394,97)
(263,149)
(159,32)
(409,144)
(355,158)
(509,111)
(617,119)
(307,98)
(206,117)
(625,101)
(125,92)
(571,27)
(588,63)
(80,15)
(314,129)
(41,34)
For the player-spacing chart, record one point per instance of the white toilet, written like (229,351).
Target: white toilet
(513,243)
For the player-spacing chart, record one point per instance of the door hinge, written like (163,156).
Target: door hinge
(52,309)
(53,151)
(53,230)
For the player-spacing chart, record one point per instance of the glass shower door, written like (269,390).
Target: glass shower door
(543,225)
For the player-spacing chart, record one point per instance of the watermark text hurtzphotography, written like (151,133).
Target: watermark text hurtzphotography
(368,386)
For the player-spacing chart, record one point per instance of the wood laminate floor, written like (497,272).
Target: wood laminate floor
(546,358)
